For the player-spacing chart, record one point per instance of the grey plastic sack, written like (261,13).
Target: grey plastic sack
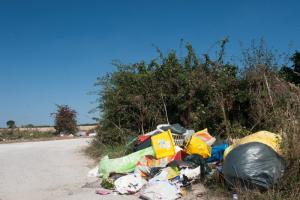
(253,165)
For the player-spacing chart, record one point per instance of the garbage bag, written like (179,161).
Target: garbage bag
(253,165)
(270,139)
(217,152)
(122,165)
(129,184)
(197,146)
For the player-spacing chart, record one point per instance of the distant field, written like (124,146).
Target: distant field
(51,128)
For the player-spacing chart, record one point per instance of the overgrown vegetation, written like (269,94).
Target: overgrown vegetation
(261,93)
(65,120)
(7,135)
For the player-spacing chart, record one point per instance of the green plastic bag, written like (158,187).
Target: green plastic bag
(124,164)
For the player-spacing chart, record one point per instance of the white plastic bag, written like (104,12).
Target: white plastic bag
(161,190)
(129,184)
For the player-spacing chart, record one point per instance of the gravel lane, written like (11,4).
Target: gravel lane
(47,170)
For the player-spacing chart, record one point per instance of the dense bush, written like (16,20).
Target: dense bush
(197,92)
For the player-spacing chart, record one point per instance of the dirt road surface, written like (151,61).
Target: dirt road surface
(47,170)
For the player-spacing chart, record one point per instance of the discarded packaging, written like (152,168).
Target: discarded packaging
(190,173)
(163,144)
(145,164)
(129,184)
(161,190)
(124,164)
(205,136)
(102,191)
(197,146)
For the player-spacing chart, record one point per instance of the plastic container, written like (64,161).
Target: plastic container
(163,144)
(178,139)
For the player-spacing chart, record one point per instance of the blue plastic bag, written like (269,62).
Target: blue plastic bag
(217,152)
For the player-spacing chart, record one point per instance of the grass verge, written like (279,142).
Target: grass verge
(9,135)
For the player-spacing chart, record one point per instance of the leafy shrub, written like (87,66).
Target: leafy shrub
(65,119)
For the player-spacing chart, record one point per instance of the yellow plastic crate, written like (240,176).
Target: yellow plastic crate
(163,144)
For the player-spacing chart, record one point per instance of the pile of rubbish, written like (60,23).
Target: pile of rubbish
(167,161)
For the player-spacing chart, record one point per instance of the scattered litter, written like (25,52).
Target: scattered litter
(161,190)
(92,134)
(80,134)
(168,160)
(129,184)
(162,176)
(197,160)
(93,172)
(190,173)
(146,163)
(103,191)
(235,197)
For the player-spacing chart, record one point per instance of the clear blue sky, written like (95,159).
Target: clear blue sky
(51,51)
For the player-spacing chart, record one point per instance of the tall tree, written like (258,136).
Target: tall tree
(11,124)
(65,119)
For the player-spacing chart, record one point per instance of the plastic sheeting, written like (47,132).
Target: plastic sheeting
(124,164)
(217,153)
(254,165)
(197,146)
(129,184)
(161,190)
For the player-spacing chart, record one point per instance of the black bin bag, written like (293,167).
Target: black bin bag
(253,165)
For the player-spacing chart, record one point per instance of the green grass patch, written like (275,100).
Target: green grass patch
(96,150)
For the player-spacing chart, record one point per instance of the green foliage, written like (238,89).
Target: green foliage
(65,119)
(137,97)
(197,92)
(292,74)
(11,124)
